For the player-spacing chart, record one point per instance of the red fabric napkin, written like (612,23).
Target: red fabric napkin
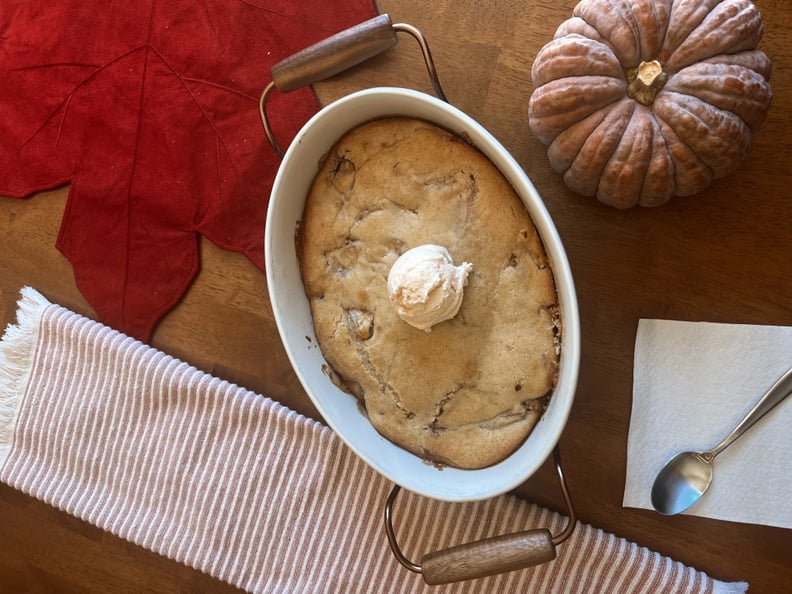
(150,111)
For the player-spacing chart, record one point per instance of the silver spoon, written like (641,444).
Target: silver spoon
(685,478)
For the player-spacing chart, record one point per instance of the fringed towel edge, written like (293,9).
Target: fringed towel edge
(730,587)
(17,349)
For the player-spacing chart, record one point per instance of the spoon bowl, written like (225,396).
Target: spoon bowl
(681,482)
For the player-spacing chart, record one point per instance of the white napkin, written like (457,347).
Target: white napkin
(692,383)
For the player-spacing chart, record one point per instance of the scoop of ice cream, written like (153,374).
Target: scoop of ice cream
(425,287)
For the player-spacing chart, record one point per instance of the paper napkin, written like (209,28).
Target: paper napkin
(693,382)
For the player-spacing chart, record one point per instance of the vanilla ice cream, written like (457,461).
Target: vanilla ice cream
(425,287)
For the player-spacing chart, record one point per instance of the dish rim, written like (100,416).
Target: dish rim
(295,325)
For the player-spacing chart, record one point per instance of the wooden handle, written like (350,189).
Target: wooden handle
(488,557)
(334,54)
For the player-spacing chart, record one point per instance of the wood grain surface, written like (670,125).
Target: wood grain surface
(722,256)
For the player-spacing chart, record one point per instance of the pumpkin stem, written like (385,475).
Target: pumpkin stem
(645,81)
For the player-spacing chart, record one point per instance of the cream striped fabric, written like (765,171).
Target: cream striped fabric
(240,487)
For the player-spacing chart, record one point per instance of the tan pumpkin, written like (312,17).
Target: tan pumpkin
(641,100)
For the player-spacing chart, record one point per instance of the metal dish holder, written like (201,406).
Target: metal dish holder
(490,556)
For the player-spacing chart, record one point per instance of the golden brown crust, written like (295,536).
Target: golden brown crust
(469,392)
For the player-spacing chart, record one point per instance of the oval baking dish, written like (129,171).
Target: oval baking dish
(294,321)
(292,312)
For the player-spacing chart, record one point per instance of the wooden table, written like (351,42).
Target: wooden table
(722,256)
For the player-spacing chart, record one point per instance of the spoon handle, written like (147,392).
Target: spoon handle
(780,390)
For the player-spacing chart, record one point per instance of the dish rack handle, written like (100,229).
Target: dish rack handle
(337,53)
(490,556)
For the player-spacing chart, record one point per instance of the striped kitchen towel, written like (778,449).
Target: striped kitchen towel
(240,487)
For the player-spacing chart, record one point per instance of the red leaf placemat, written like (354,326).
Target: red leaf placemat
(149,109)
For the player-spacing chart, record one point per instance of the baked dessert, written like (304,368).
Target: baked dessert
(467,391)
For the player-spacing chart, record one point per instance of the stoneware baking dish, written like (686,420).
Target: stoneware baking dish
(341,410)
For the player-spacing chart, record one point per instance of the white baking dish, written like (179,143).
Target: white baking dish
(293,316)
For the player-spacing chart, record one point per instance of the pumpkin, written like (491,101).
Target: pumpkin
(642,100)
